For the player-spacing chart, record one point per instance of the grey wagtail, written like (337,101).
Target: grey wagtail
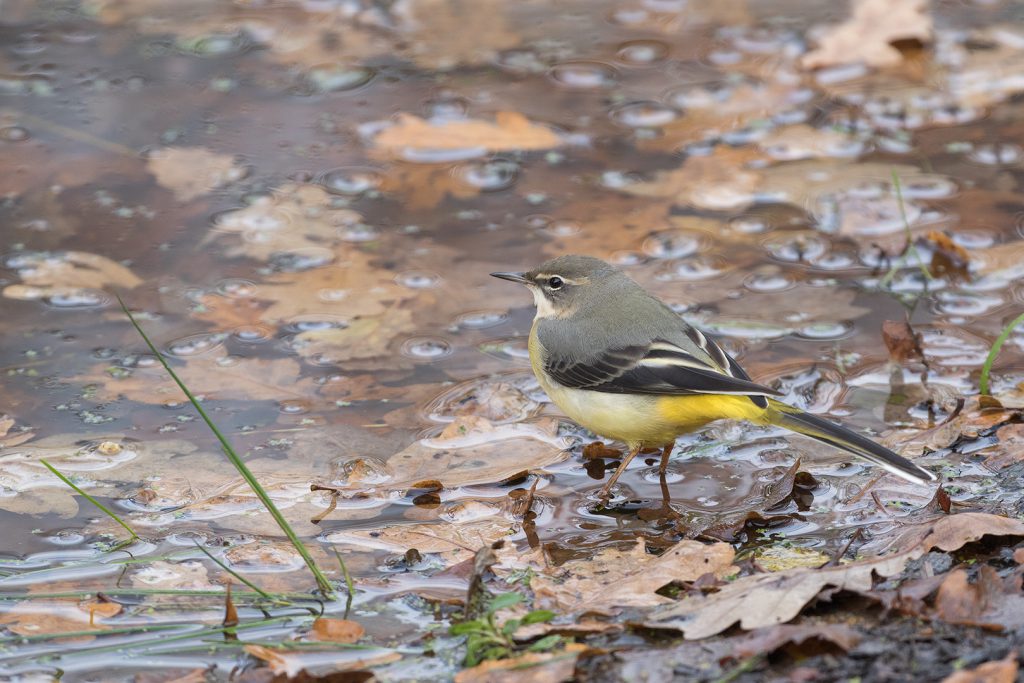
(621,363)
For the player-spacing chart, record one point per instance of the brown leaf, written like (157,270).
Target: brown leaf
(337,630)
(871,34)
(765,599)
(767,640)
(988,602)
(191,172)
(903,343)
(66,273)
(717,181)
(292,663)
(539,667)
(172,676)
(614,578)
(509,131)
(949,260)
(998,671)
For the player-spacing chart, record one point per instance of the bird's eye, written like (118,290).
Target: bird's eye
(555,282)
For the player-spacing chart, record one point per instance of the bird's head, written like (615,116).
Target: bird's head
(564,285)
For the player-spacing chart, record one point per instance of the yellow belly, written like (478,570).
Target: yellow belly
(637,418)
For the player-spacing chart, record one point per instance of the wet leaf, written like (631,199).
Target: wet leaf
(9,440)
(762,600)
(509,131)
(997,671)
(718,181)
(67,274)
(191,172)
(989,602)
(872,34)
(767,640)
(949,259)
(547,667)
(337,630)
(292,663)
(612,579)
(779,558)
(903,343)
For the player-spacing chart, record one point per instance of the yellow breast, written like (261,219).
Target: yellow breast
(638,418)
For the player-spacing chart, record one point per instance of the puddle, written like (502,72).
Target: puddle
(301,203)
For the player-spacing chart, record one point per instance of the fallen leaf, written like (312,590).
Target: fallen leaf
(872,33)
(291,663)
(100,609)
(66,274)
(1009,450)
(509,131)
(997,671)
(337,630)
(767,640)
(191,172)
(8,440)
(360,339)
(424,186)
(172,676)
(612,578)
(949,260)
(763,600)
(988,602)
(903,343)
(779,558)
(532,667)
(717,181)
(292,219)
(474,33)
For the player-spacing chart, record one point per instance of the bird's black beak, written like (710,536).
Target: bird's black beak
(512,277)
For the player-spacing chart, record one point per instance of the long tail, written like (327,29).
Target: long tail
(795,420)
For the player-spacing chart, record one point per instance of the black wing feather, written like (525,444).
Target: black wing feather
(621,371)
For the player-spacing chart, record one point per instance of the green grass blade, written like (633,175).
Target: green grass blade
(911,250)
(107,511)
(233,573)
(349,586)
(321,580)
(986,369)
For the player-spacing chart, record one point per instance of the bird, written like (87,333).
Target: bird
(621,363)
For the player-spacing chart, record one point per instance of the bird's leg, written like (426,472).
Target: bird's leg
(666,453)
(607,488)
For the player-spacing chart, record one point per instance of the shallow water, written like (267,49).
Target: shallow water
(244,176)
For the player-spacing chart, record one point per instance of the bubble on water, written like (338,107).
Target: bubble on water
(481,320)
(468,511)
(521,61)
(313,323)
(973,239)
(763,41)
(927,187)
(14,134)
(252,334)
(195,344)
(416,279)
(627,258)
(82,297)
(426,348)
(643,114)
(448,108)
(489,176)
(797,248)
(65,537)
(724,57)
(790,117)
(642,52)
(236,288)
(629,16)
(215,44)
(426,155)
(507,349)
(695,268)
(952,347)
(562,228)
(834,260)
(768,282)
(537,221)
(838,74)
(749,225)
(337,77)
(306,258)
(996,154)
(967,304)
(360,232)
(672,244)
(584,75)
(826,330)
(350,180)
(293,406)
